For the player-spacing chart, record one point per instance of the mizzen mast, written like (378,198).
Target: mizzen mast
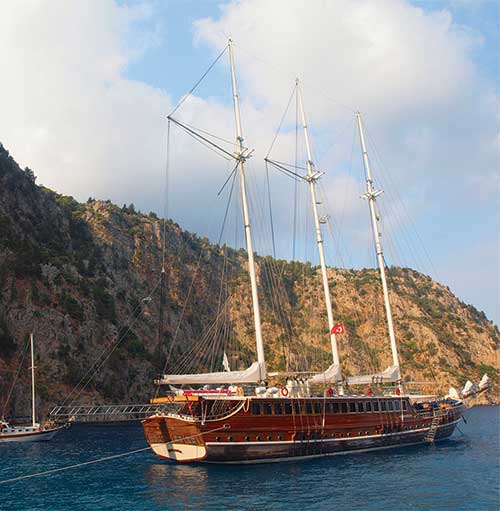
(241,156)
(311,178)
(371,195)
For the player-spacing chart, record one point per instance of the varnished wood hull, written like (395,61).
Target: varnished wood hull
(242,437)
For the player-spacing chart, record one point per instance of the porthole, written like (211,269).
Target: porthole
(348,434)
(230,439)
(280,438)
(217,438)
(247,439)
(258,438)
(269,437)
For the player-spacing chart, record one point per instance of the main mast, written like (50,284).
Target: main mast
(33,414)
(312,177)
(371,194)
(246,219)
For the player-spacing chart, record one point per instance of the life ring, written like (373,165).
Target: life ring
(283,391)
(239,391)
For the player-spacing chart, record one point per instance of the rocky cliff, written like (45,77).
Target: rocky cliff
(87,280)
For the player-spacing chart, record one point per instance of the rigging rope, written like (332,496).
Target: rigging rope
(195,86)
(23,355)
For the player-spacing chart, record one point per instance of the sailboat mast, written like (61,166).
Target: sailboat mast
(246,218)
(312,177)
(33,414)
(371,195)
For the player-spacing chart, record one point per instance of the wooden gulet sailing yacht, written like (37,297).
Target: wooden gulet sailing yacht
(34,432)
(245,420)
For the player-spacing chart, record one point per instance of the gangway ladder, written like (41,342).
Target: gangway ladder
(436,421)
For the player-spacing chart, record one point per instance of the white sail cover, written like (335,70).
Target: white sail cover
(391,374)
(331,375)
(250,375)
(485,382)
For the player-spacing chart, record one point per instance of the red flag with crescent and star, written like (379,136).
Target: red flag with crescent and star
(338,329)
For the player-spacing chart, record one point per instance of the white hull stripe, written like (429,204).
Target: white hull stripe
(270,442)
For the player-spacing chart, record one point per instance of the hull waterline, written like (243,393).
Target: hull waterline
(242,437)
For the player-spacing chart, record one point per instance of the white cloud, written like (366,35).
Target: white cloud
(66,109)
(385,57)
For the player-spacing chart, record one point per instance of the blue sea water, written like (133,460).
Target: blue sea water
(461,473)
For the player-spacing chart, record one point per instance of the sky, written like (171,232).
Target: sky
(86,87)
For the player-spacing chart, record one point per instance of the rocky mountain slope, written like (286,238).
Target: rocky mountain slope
(86,279)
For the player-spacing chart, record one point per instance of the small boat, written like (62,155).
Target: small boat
(34,432)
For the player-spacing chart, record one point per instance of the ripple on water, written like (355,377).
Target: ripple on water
(458,474)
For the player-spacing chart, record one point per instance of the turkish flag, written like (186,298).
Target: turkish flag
(338,329)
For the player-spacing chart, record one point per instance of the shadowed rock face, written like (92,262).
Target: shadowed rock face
(77,276)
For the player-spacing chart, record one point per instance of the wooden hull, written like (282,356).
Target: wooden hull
(243,437)
(32,436)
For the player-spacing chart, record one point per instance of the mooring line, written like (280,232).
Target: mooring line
(61,469)
(107,458)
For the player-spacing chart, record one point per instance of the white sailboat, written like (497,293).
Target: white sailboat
(34,432)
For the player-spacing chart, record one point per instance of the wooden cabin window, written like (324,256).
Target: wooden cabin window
(288,408)
(296,407)
(277,409)
(268,410)
(368,406)
(375,406)
(335,407)
(255,408)
(328,408)
(309,409)
(352,407)
(383,406)
(343,407)
(405,406)
(317,407)
(397,405)
(390,406)
(361,406)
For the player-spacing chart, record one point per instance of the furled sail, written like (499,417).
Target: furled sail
(250,375)
(391,374)
(331,375)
